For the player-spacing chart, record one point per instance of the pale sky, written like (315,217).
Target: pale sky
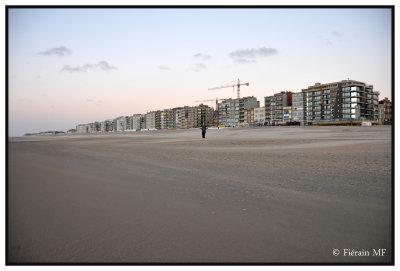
(73,66)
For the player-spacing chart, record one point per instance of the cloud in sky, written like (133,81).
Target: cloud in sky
(164,68)
(334,37)
(198,67)
(102,65)
(59,51)
(244,61)
(253,53)
(202,56)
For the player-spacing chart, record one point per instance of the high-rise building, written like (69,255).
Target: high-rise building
(345,100)
(203,116)
(259,115)
(136,125)
(171,123)
(81,128)
(298,107)
(274,107)
(119,124)
(231,112)
(151,120)
(184,117)
(157,121)
(106,126)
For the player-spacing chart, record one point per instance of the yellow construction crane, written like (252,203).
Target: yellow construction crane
(236,85)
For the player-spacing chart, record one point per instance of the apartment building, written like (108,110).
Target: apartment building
(157,120)
(81,128)
(298,107)
(231,112)
(270,106)
(274,107)
(106,126)
(150,120)
(204,115)
(385,111)
(136,122)
(142,121)
(119,124)
(184,117)
(171,115)
(226,112)
(93,127)
(249,116)
(163,119)
(344,100)
(259,115)
(287,113)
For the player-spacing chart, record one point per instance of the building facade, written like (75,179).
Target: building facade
(259,115)
(204,115)
(287,113)
(81,128)
(106,126)
(249,116)
(151,120)
(136,122)
(385,111)
(274,107)
(345,100)
(231,112)
(298,107)
(119,124)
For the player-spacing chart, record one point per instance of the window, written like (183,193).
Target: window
(355,100)
(346,89)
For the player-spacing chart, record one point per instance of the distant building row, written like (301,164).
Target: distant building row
(345,100)
(180,118)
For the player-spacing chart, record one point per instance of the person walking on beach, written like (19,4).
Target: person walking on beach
(203,131)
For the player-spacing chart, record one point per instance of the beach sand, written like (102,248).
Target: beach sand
(254,195)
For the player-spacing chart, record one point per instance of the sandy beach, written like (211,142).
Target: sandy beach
(248,195)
